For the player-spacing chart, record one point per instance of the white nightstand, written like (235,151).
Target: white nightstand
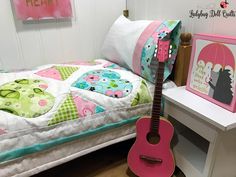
(205,134)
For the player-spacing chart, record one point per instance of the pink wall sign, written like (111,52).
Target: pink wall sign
(42,9)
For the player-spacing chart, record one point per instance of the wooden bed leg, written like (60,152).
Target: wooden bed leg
(183,59)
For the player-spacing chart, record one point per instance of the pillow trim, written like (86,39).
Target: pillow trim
(140,43)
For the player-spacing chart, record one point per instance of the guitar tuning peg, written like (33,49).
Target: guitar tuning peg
(155,55)
(170,51)
(169,55)
(170,46)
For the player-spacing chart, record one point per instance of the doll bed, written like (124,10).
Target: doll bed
(59,112)
(45,112)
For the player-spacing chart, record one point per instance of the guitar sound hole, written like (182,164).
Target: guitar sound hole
(153,138)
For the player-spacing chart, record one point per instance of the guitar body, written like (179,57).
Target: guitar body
(161,150)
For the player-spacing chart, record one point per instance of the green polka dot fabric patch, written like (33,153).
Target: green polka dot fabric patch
(67,111)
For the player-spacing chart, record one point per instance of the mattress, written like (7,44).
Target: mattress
(58,112)
(41,161)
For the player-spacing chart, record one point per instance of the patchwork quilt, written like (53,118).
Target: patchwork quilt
(59,103)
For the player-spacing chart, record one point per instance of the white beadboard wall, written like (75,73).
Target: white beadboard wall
(172,9)
(26,45)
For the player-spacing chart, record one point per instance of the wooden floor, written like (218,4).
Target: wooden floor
(107,162)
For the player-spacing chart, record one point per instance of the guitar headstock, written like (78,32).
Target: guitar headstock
(163,51)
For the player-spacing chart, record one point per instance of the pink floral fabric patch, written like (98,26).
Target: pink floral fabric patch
(85,107)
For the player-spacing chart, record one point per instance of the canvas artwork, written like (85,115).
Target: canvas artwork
(42,9)
(212,72)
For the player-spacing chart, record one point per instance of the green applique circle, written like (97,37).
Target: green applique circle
(26,98)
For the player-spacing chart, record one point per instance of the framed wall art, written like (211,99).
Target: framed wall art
(212,70)
(42,9)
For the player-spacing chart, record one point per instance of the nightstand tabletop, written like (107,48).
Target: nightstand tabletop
(210,112)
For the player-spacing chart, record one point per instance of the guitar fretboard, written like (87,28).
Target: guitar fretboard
(156,108)
(162,56)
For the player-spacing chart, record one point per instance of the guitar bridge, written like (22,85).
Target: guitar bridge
(150,159)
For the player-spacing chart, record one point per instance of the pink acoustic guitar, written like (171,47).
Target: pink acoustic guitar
(151,156)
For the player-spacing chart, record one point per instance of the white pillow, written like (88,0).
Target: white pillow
(121,40)
(132,44)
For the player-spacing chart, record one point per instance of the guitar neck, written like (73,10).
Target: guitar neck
(156,107)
